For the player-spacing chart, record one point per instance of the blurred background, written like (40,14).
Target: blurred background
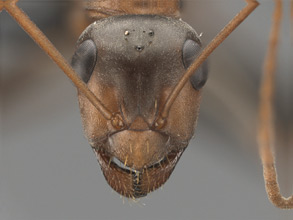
(49,172)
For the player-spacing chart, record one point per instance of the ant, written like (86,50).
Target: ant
(140,137)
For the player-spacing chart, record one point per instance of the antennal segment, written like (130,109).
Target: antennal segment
(226,31)
(37,35)
(266,132)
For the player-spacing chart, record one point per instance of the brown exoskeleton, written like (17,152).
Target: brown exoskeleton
(140,94)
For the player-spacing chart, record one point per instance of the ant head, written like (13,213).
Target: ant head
(132,63)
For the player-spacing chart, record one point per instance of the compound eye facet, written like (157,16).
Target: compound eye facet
(84,59)
(200,77)
(190,51)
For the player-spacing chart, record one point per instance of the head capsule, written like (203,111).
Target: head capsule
(132,63)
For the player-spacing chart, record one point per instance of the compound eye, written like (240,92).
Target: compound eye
(84,59)
(190,51)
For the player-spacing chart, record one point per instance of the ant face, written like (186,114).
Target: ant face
(130,65)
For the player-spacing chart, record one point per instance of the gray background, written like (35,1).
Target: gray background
(48,170)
